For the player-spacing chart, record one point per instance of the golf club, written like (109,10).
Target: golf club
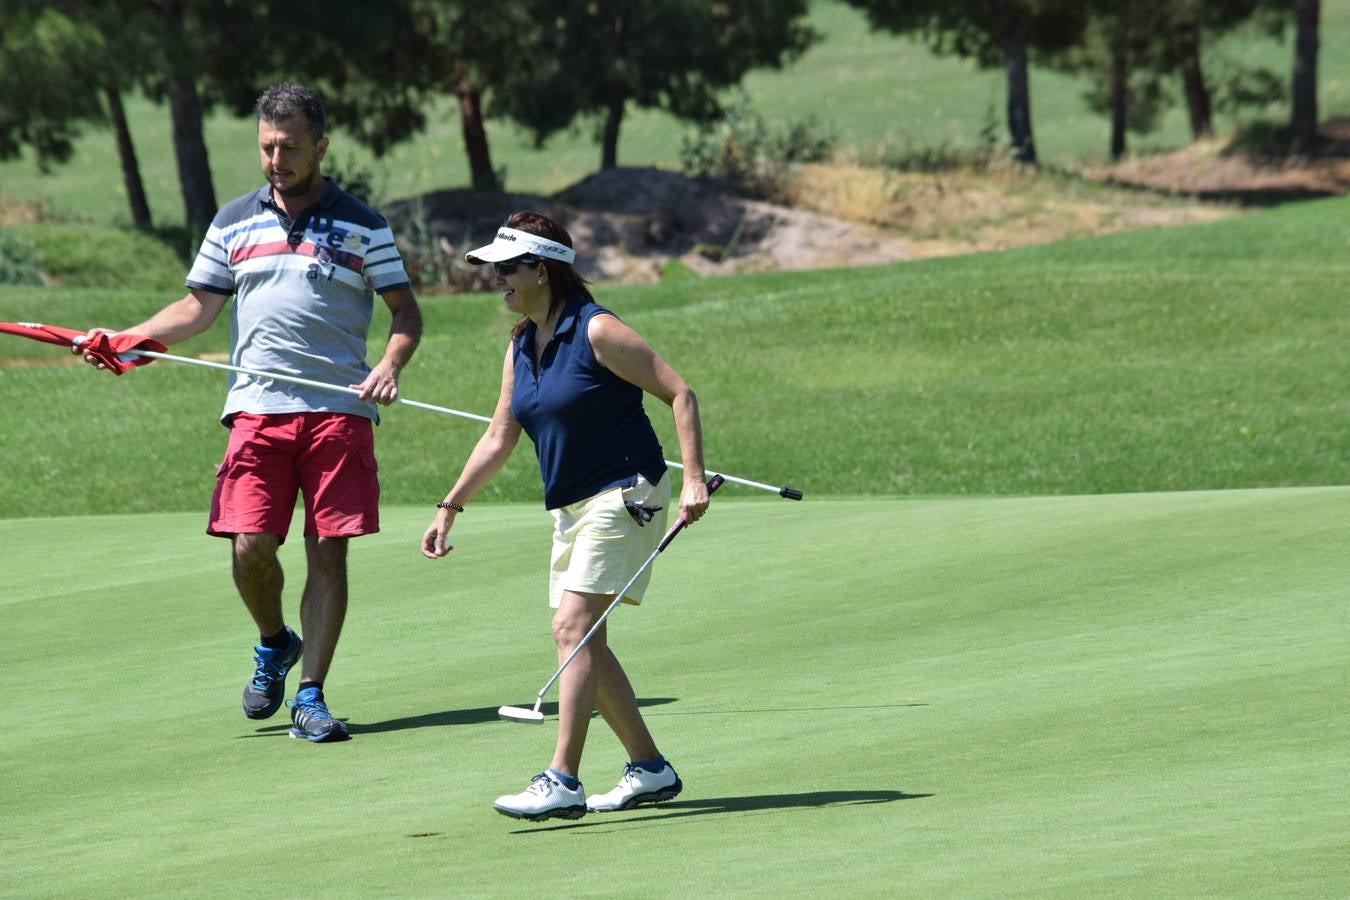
(534,716)
(788,493)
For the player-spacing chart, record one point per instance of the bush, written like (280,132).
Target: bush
(434,262)
(20,261)
(359,180)
(745,149)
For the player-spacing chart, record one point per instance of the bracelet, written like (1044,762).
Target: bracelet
(450,504)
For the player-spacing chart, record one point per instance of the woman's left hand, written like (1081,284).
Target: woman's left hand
(693,500)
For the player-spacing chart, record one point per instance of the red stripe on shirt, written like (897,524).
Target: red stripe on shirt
(306,248)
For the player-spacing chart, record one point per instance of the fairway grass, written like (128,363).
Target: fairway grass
(1129,695)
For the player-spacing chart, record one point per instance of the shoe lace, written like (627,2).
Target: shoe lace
(630,776)
(315,709)
(540,785)
(266,671)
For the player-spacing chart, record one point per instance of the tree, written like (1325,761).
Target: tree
(595,57)
(993,33)
(1122,53)
(379,69)
(1303,112)
(1184,29)
(58,72)
(43,93)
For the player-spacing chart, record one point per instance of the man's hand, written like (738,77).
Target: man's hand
(89,357)
(381,385)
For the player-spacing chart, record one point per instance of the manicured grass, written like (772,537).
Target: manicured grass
(881,95)
(1079,696)
(1202,357)
(103,256)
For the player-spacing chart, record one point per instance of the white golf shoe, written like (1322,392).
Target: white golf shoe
(638,787)
(545,798)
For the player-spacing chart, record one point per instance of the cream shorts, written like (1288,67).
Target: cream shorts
(598,545)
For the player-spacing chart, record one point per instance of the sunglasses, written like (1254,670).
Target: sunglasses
(506,267)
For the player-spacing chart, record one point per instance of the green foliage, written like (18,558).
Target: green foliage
(848,80)
(360,179)
(20,261)
(433,263)
(979,29)
(1241,88)
(47,66)
(744,148)
(593,58)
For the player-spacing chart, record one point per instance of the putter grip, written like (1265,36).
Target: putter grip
(791,493)
(713,484)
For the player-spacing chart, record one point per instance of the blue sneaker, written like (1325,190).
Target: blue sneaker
(311,720)
(267,688)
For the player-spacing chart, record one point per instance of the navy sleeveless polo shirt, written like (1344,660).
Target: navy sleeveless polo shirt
(589,429)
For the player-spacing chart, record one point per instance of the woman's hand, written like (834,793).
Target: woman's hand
(693,500)
(436,541)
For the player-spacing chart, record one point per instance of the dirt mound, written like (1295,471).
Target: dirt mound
(630,222)
(1223,169)
(637,224)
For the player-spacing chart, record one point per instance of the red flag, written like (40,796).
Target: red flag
(108,348)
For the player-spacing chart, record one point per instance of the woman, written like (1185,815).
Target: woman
(573,379)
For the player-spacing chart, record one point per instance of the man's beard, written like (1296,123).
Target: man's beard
(300,188)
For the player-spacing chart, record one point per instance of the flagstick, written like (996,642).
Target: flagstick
(787,492)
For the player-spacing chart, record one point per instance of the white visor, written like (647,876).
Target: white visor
(511,243)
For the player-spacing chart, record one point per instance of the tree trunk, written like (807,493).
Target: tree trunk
(194,167)
(185,111)
(481,173)
(609,152)
(1197,92)
(609,147)
(1120,73)
(1019,97)
(126,154)
(1303,120)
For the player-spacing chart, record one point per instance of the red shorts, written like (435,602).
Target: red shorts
(328,457)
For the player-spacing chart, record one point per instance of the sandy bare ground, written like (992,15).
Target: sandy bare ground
(631,223)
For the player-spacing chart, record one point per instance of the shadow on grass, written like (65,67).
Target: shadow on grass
(442,719)
(484,714)
(783,709)
(681,809)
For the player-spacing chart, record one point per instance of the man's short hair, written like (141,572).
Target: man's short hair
(281,101)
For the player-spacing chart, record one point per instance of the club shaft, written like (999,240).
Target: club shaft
(732,478)
(790,493)
(713,484)
(305,382)
(605,615)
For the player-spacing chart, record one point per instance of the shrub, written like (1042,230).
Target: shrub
(745,149)
(20,261)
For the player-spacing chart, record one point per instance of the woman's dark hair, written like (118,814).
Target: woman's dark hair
(281,101)
(564,282)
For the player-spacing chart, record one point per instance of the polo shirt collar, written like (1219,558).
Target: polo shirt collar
(331,192)
(567,323)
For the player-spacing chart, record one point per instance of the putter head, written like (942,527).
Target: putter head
(517,714)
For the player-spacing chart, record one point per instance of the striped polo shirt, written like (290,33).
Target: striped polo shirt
(303,296)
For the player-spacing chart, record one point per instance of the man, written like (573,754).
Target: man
(302,259)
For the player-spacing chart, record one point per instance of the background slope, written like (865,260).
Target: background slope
(1198,357)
